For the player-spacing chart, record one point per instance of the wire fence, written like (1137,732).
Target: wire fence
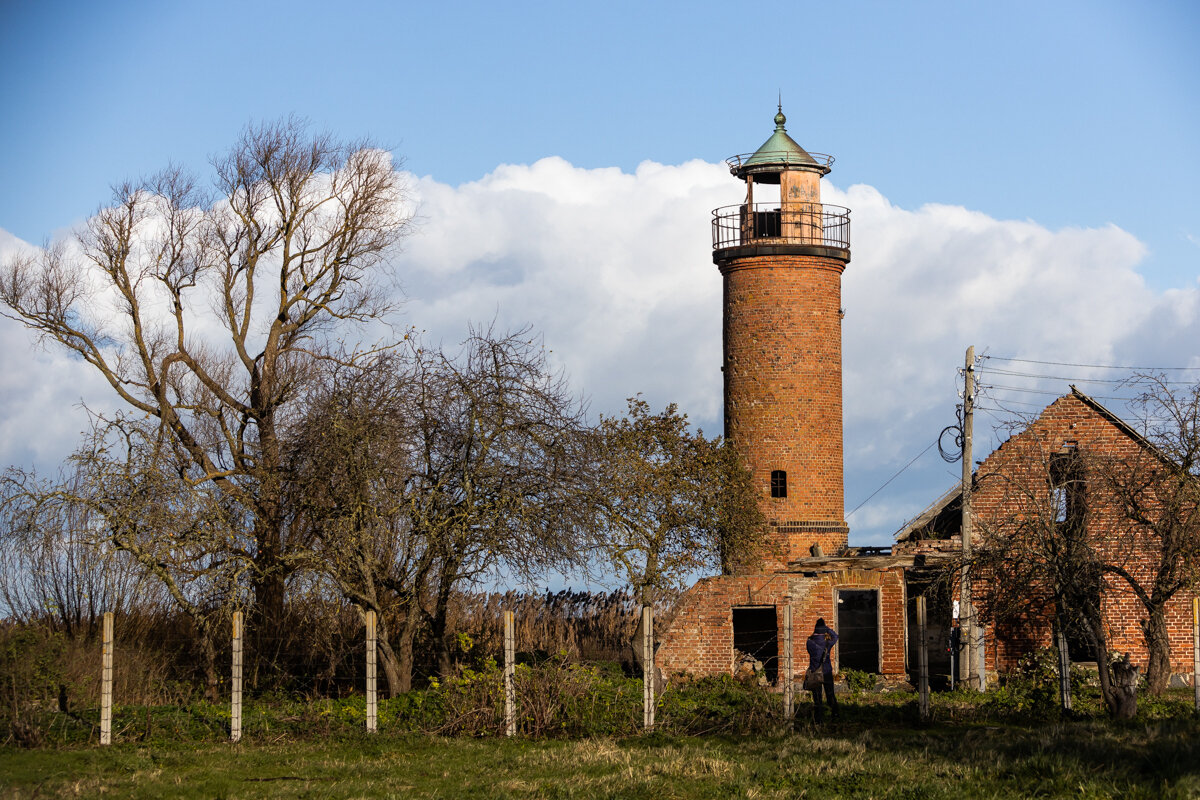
(517,663)
(504,681)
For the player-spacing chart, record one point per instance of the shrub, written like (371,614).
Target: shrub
(718,704)
(559,698)
(1032,688)
(857,681)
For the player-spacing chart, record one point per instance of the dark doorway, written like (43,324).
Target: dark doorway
(938,611)
(756,633)
(858,629)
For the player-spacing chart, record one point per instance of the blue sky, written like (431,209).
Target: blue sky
(1035,161)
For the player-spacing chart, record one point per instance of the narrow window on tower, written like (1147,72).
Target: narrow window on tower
(778,483)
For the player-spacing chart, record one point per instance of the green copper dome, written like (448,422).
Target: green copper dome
(778,153)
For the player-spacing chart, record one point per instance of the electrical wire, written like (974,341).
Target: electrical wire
(889,480)
(989,389)
(1077,379)
(1051,392)
(1092,366)
(948,454)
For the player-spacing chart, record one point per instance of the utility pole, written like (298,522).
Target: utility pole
(969,669)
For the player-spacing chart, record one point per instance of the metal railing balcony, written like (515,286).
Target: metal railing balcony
(813,224)
(788,158)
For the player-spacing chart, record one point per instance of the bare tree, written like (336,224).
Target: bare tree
(431,470)
(54,567)
(207,313)
(673,502)
(1041,560)
(1156,494)
(351,458)
(501,479)
(139,512)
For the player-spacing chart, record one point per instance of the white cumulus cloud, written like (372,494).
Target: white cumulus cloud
(615,270)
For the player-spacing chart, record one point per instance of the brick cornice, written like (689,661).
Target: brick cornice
(725,257)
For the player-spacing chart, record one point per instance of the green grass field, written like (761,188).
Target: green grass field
(581,738)
(862,757)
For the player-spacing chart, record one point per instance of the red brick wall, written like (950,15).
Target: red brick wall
(783,392)
(1003,485)
(699,638)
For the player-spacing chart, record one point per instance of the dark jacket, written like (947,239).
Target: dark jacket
(822,642)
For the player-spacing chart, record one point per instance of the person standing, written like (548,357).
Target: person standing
(820,655)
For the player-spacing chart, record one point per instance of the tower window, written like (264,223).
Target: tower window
(778,483)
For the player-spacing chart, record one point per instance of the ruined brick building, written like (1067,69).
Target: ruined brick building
(1055,468)
(781,254)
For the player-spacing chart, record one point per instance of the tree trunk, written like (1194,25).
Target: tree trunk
(404,653)
(1108,689)
(269,583)
(1125,677)
(440,642)
(1158,645)
(209,653)
(439,619)
(1118,679)
(270,592)
(391,667)
(270,571)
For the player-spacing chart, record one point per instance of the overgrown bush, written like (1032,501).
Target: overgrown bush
(559,698)
(718,704)
(858,681)
(1032,688)
(555,697)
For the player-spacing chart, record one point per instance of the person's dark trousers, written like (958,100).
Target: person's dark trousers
(818,706)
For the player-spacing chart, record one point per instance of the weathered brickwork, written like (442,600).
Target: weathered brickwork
(1003,484)
(783,392)
(699,640)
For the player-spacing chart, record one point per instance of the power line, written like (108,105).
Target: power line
(1072,379)
(1093,366)
(889,480)
(1023,390)
(1052,393)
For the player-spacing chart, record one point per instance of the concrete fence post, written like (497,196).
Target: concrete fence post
(1196,651)
(980,651)
(235,682)
(789,688)
(372,701)
(648,669)
(510,666)
(1064,671)
(922,659)
(106,677)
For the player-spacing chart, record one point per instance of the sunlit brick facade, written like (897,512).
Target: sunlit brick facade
(1013,481)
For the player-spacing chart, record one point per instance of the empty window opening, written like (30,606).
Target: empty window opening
(1066,488)
(1061,505)
(858,629)
(767,224)
(778,483)
(756,633)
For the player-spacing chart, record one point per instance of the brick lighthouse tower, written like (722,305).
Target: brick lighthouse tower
(781,254)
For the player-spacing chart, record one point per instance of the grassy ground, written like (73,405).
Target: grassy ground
(873,752)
